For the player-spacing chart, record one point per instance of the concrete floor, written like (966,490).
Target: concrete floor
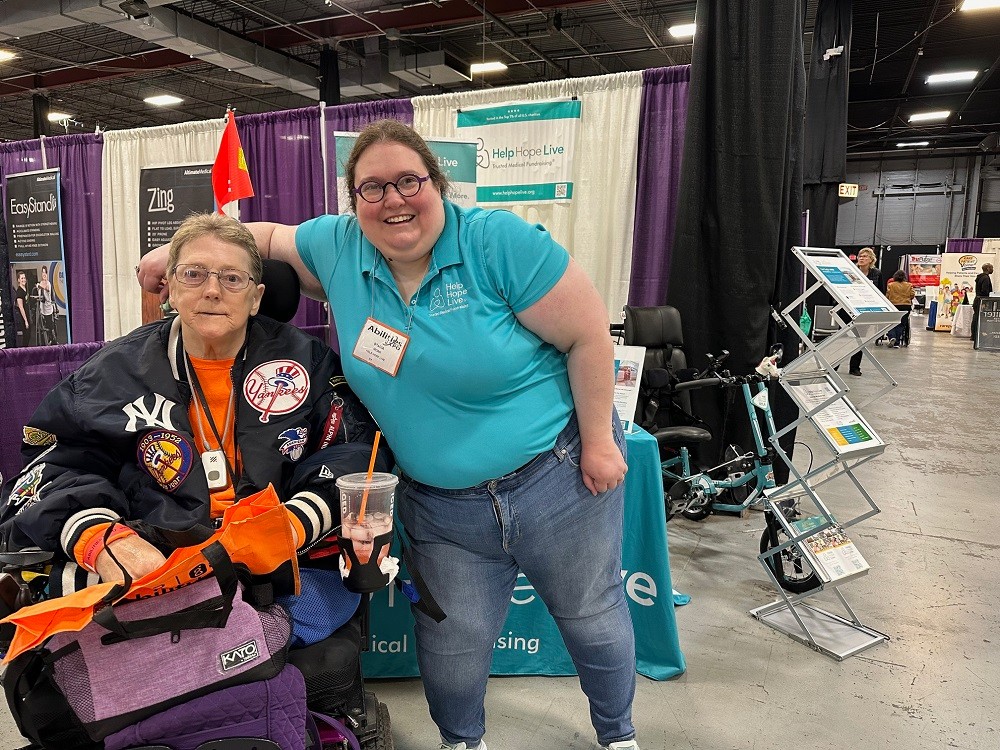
(933,554)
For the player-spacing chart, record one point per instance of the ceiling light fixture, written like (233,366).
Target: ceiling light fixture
(913,144)
(682,31)
(941,114)
(494,66)
(6,54)
(163,100)
(960,75)
(980,4)
(58,116)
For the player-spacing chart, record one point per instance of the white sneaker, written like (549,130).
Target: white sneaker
(622,745)
(463,746)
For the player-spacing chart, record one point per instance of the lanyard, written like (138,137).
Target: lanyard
(201,403)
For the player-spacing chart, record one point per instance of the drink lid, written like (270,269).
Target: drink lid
(380,481)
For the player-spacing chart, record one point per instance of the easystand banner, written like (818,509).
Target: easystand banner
(958,282)
(8,337)
(525,150)
(457,159)
(33,209)
(167,196)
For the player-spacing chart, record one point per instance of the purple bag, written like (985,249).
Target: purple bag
(138,658)
(273,709)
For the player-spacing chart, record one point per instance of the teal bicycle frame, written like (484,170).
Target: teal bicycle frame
(705,488)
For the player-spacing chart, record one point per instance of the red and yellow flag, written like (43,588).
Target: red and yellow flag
(230,177)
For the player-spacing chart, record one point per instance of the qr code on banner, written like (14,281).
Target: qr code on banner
(561,189)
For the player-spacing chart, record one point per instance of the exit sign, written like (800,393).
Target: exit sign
(847,190)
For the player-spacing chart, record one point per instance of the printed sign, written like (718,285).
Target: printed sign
(33,209)
(457,159)
(8,324)
(525,150)
(958,282)
(988,330)
(924,270)
(167,196)
(628,371)
(839,423)
(845,281)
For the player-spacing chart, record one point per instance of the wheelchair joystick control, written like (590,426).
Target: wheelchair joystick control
(366,508)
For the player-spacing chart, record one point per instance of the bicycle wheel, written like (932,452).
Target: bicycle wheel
(791,571)
(730,496)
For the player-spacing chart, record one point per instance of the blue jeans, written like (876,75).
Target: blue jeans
(469,545)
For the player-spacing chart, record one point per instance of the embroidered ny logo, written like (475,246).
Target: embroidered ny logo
(159,416)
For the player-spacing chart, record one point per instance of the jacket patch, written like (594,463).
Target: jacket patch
(158,416)
(276,387)
(167,457)
(37,437)
(25,492)
(293,442)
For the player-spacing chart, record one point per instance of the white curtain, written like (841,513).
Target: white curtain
(596,226)
(126,152)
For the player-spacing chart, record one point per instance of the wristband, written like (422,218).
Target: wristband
(98,544)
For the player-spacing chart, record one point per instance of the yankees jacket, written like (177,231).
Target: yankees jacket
(113,440)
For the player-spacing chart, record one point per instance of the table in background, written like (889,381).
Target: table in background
(961,326)
(530,642)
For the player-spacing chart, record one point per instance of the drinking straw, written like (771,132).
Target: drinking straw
(368,479)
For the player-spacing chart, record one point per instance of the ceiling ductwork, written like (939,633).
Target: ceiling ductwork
(27,17)
(180,33)
(428,68)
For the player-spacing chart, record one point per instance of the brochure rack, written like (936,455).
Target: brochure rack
(812,381)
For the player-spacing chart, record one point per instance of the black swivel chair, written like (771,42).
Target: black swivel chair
(662,411)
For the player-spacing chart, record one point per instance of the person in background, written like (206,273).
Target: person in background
(482,349)
(23,327)
(984,288)
(866,263)
(174,422)
(45,311)
(900,293)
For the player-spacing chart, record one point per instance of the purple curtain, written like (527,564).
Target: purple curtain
(284,157)
(79,160)
(662,119)
(352,118)
(26,375)
(965,245)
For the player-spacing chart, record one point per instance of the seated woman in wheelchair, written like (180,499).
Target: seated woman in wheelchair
(174,422)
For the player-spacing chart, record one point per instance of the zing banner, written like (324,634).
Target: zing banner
(167,196)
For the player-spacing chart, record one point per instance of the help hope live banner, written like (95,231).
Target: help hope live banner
(33,209)
(525,150)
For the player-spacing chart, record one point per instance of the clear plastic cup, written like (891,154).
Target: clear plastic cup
(378,511)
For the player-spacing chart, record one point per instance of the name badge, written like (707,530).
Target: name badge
(381,346)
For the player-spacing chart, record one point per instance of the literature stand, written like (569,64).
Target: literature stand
(812,381)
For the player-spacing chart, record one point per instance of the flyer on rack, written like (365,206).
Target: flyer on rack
(838,422)
(856,292)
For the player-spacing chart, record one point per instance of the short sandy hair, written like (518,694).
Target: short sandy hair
(867,251)
(221,227)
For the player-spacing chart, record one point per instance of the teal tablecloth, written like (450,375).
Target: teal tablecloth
(530,643)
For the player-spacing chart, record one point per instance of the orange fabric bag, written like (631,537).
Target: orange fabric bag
(256,533)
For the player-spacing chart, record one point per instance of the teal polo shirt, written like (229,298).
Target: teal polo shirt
(477,394)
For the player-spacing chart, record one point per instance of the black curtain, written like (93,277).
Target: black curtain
(741,190)
(824,167)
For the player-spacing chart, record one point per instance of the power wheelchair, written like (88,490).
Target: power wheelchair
(332,667)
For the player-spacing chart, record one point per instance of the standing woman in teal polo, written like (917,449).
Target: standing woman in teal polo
(483,352)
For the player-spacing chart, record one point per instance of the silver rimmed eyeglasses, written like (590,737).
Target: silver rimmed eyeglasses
(407,186)
(231,279)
